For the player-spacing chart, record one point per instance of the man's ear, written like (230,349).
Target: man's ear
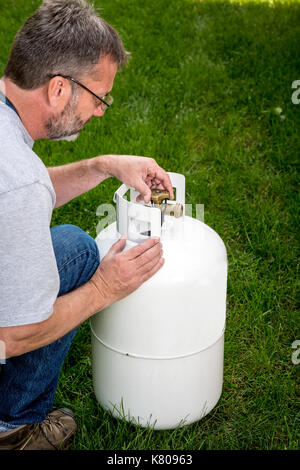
(59,92)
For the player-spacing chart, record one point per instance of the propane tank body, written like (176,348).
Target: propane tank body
(158,353)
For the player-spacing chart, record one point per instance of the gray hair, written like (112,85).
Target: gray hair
(62,36)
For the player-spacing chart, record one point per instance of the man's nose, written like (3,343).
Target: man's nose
(98,111)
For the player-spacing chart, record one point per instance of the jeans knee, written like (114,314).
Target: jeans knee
(82,239)
(77,255)
(70,238)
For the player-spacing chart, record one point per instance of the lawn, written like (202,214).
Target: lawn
(208,93)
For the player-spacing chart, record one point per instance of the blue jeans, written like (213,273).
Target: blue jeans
(28,382)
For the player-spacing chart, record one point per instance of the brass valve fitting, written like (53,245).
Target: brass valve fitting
(159,199)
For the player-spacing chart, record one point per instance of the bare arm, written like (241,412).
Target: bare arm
(69,311)
(141,173)
(73,179)
(118,274)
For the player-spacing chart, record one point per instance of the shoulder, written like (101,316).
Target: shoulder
(19,165)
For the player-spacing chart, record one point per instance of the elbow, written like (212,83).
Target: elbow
(10,347)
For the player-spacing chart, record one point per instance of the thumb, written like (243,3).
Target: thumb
(145,191)
(118,246)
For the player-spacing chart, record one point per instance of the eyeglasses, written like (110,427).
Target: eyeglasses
(104,103)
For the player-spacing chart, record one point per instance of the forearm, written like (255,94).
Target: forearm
(73,179)
(69,311)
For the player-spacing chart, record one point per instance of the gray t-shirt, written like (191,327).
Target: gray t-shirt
(29,279)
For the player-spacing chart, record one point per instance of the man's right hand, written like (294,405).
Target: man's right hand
(121,272)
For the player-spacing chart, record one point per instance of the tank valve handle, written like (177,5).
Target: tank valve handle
(159,199)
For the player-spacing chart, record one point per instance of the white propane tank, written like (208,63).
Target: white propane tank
(158,353)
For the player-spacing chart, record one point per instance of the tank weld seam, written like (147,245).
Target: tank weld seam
(139,356)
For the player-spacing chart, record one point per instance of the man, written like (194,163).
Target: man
(59,75)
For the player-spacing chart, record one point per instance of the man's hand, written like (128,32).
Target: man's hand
(120,273)
(141,173)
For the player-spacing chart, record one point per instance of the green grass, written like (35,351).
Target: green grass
(199,96)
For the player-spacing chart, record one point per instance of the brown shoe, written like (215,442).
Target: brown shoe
(53,433)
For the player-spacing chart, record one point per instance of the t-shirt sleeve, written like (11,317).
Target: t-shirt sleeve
(29,279)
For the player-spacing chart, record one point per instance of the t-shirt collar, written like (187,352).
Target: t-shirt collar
(27,137)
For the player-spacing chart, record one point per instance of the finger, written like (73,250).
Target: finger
(144,190)
(140,197)
(149,262)
(160,176)
(118,246)
(164,179)
(147,256)
(157,186)
(153,270)
(137,250)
